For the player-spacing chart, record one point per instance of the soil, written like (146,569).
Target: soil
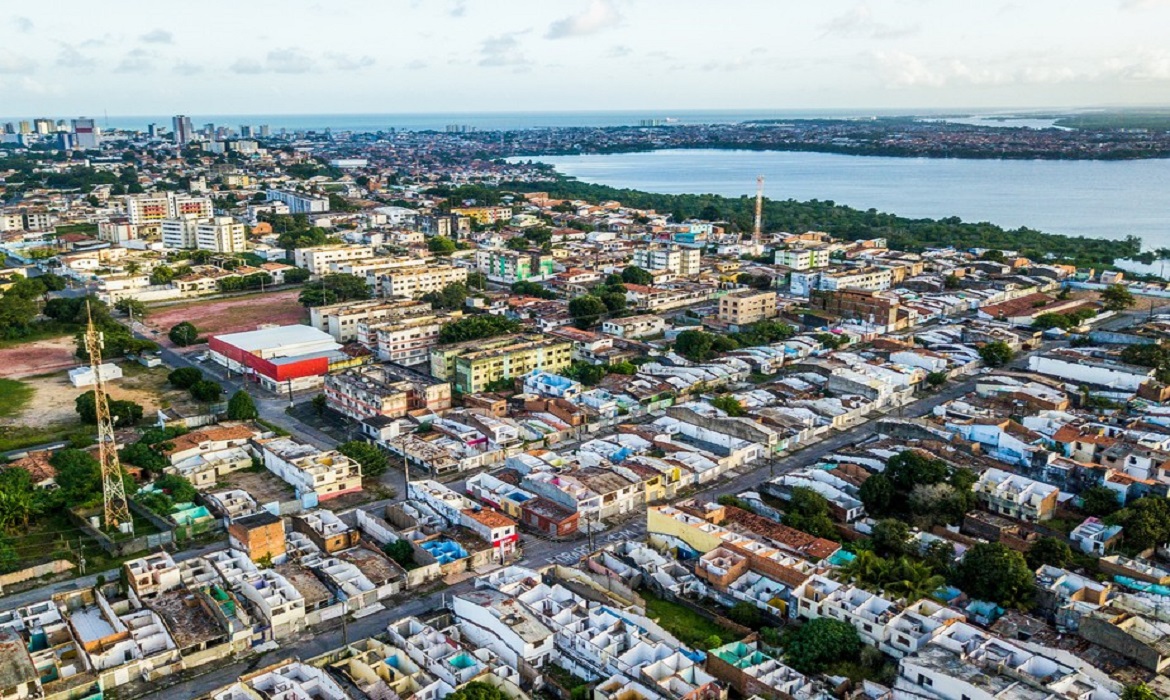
(38,357)
(215,316)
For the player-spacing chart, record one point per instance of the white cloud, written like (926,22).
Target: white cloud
(459,8)
(157,36)
(503,50)
(858,21)
(289,61)
(341,61)
(417,64)
(598,16)
(12,62)
(247,66)
(619,51)
(70,57)
(136,61)
(904,70)
(24,25)
(186,68)
(1143,4)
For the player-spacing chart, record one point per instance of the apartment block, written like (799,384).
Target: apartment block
(473,365)
(314,474)
(180,232)
(405,341)
(746,306)
(260,535)
(154,208)
(484,215)
(299,203)
(385,390)
(511,266)
(802,258)
(221,234)
(1016,496)
(635,327)
(342,320)
(678,260)
(414,282)
(871,307)
(319,260)
(874,279)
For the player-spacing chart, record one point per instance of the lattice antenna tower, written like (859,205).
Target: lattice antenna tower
(117,509)
(757,234)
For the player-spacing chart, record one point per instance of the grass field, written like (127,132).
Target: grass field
(690,627)
(14,396)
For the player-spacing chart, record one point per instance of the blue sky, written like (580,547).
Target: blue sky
(131,57)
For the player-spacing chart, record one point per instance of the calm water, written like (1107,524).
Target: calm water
(487,121)
(1101,199)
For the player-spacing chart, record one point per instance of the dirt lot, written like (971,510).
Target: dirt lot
(54,397)
(242,313)
(262,484)
(38,357)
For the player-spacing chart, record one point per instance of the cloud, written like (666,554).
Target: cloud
(289,61)
(340,61)
(459,8)
(12,62)
(858,21)
(747,60)
(619,51)
(903,70)
(503,50)
(69,57)
(157,36)
(1142,4)
(24,25)
(247,66)
(137,61)
(185,68)
(598,16)
(417,64)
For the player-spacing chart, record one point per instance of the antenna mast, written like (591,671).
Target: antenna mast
(117,509)
(756,233)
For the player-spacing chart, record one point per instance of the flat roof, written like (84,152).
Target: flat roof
(265,338)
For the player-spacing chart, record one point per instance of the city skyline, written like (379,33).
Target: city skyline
(584,55)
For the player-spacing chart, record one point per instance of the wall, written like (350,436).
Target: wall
(57,566)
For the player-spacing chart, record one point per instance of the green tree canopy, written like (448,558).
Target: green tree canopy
(441,245)
(991,571)
(729,405)
(123,413)
(891,538)
(373,459)
(476,327)
(333,288)
(241,407)
(184,377)
(1049,551)
(821,642)
(808,511)
(633,274)
(996,354)
(1099,501)
(183,334)
(206,391)
(1117,297)
(587,310)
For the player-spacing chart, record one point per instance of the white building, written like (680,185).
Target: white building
(221,234)
(299,203)
(802,258)
(683,262)
(320,260)
(635,327)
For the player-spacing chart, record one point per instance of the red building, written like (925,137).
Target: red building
(549,517)
(287,357)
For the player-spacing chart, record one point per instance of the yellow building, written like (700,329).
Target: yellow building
(741,307)
(473,365)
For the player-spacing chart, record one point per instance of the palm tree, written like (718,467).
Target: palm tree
(867,569)
(16,507)
(912,580)
(133,267)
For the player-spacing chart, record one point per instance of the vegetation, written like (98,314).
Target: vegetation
(817,644)
(14,396)
(183,334)
(919,488)
(1141,691)
(903,578)
(401,552)
(587,374)
(334,288)
(1151,355)
(1049,551)
(241,407)
(450,297)
(891,538)
(131,307)
(123,413)
(1063,321)
(441,245)
(1117,297)
(1099,501)
(991,571)
(373,459)
(808,511)
(729,405)
(206,390)
(476,327)
(532,289)
(996,354)
(478,690)
(688,626)
(185,377)
(1146,522)
(902,233)
(636,275)
(587,310)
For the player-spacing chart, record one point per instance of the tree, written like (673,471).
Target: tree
(1049,551)
(532,289)
(372,458)
(450,297)
(729,405)
(891,538)
(1141,691)
(1146,522)
(1099,501)
(993,256)
(79,476)
(478,690)
(162,274)
(296,275)
(441,245)
(177,487)
(911,580)
(183,334)
(587,310)
(320,403)
(241,407)
(184,377)
(1117,297)
(940,557)
(636,275)
(694,345)
(16,315)
(206,390)
(996,354)
(911,468)
(936,379)
(877,495)
(583,372)
(991,571)
(808,511)
(143,455)
(131,307)
(400,551)
(821,642)
(123,413)
(334,288)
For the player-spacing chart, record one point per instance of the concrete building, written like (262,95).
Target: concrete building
(499,622)
(181,232)
(154,208)
(221,234)
(747,306)
(284,358)
(86,135)
(343,319)
(407,340)
(260,535)
(320,260)
(635,327)
(802,258)
(385,390)
(299,203)
(511,266)
(865,278)
(414,282)
(680,261)
(473,365)
(315,475)
(1016,496)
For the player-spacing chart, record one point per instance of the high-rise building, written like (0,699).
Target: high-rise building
(264,131)
(26,127)
(245,131)
(44,127)
(152,131)
(183,131)
(85,134)
(221,234)
(180,232)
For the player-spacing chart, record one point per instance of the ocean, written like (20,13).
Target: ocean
(1099,199)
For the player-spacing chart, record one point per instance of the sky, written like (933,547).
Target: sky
(68,58)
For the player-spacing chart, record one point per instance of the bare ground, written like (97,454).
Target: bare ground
(214,316)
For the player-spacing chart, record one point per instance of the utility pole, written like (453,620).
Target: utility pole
(345,622)
(288,382)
